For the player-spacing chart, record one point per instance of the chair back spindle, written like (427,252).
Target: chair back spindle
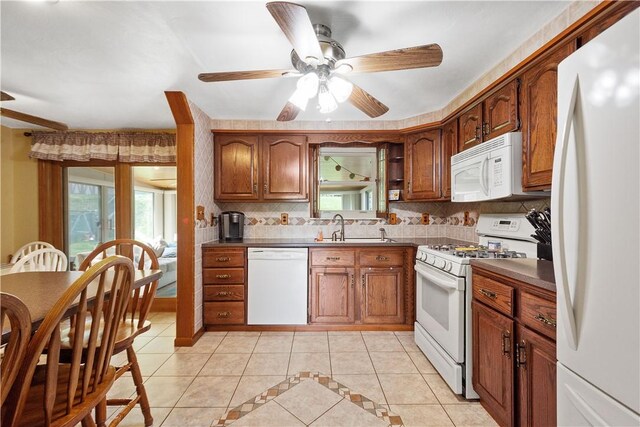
(13,310)
(47,259)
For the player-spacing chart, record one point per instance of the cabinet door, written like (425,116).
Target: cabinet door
(492,362)
(536,363)
(501,111)
(422,167)
(236,167)
(470,128)
(284,167)
(449,148)
(539,109)
(332,296)
(381,295)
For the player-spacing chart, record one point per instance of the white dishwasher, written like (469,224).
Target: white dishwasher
(277,283)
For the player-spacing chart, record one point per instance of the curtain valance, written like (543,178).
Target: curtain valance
(146,147)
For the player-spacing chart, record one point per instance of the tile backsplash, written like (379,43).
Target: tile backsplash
(262,220)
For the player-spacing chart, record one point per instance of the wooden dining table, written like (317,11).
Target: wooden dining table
(40,291)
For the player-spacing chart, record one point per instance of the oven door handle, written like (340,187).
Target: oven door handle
(448,284)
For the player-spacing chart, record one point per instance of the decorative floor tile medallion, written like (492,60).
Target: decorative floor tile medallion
(271,393)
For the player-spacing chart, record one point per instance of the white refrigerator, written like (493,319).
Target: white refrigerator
(595,201)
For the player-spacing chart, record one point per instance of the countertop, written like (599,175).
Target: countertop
(307,243)
(531,271)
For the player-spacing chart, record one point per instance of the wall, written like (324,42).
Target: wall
(205,230)
(446,220)
(19,192)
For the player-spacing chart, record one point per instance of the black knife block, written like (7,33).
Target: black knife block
(545,252)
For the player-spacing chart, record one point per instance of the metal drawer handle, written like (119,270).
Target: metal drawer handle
(223,259)
(506,344)
(223,293)
(546,320)
(488,294)
(224,314)
(223,276)
(333,258)
(382,258)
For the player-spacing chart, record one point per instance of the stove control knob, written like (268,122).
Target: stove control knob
(448,266)
(431,260)
(441,264)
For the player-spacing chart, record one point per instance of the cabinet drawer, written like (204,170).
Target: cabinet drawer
(216,276)
(493,293)
(538,314)
(224,293)
(333,257)
(223,258)
(223,313)
(380,258)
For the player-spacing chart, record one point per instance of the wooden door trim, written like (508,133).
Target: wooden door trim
(51,203)
(185,151)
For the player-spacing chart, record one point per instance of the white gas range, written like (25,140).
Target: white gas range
(443,293)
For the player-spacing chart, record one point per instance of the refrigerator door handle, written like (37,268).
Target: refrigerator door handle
(564,297)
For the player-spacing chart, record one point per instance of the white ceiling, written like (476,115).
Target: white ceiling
(106,65)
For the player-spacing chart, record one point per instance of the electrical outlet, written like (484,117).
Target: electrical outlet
(284,219)
(199,213)
(424,219)
(466,219)
(393,219)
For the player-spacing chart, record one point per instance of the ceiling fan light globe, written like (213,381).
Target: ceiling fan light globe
(299,99)
(326,101)
(308,84)
(340,88)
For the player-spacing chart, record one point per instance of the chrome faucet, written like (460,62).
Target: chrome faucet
(333,236)
(383,234)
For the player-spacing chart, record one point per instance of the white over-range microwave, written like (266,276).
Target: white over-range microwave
(490,171)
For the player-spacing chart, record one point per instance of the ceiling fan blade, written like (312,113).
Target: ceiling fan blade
(365,102)
(429,55)
(4,96)
(294,22)
(288,113)
(243,75)
(28,118)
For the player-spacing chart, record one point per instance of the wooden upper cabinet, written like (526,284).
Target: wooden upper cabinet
(536,366)
(449,148)
(539,109)
(501,111)
(284,167)
(236,167)
(422,165)
(255,167)
(470,128)
(493,336)
(382,295)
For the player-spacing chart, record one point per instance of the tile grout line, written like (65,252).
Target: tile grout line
(386,401)
(241,375)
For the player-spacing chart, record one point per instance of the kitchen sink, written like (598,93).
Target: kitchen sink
(358,240)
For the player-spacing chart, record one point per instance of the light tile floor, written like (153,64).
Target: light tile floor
(196,386)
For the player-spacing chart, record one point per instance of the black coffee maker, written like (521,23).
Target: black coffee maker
(231,226)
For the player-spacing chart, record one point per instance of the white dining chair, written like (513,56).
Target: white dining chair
(28,248)
(48,259)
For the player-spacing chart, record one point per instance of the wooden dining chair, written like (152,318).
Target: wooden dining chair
(134,323)
(17,314)
(65,394)
(47,259)
(27,249)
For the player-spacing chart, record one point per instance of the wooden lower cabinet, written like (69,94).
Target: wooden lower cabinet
(492,363)
(375,288)
(223,279)
(536,366)
(381,295)
(332,296)
(514,360)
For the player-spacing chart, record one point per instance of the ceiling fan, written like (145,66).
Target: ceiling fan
(320,64)
(28,118)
